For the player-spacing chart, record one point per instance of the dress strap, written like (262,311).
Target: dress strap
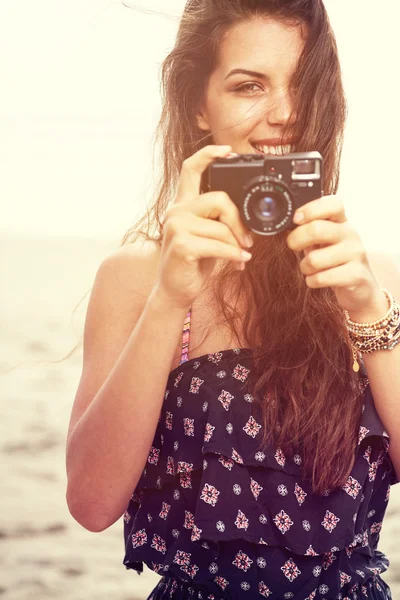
(186,338)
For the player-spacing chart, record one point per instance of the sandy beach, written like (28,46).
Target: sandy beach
(44,552)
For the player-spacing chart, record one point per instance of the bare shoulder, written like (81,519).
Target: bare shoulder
(142,251)
(123,282)
(132,268)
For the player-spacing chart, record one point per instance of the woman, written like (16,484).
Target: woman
(254,462)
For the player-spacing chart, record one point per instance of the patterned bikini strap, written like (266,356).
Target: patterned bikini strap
(186,337)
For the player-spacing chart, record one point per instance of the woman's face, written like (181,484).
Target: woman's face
(248,111)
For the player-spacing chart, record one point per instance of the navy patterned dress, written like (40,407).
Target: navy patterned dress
(218,518)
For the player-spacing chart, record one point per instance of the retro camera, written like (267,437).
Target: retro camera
(268,189)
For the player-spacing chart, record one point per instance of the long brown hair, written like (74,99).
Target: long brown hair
(301,379)
(301,347)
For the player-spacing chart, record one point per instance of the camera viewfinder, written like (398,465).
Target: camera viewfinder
(306,169)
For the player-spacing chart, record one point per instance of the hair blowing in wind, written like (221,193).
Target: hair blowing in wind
(302,380)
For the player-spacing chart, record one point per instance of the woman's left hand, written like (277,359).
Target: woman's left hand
(335,255)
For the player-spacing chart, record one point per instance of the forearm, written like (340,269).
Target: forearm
(383,371)
(109,447)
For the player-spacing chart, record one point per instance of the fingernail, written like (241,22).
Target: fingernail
(249,240)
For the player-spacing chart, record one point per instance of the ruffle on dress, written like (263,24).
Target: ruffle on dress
(207,477)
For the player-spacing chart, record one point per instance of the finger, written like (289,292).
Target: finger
(211,229)
(317,232)
(216,230)
(193,248)
(219,205)
(330,257)
(194,167)
(347,275)
(327,207)
(313,247)
(206,228)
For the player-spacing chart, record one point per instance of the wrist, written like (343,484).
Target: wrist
(373,310)
(164,302)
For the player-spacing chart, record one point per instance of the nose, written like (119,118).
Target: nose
(281,109)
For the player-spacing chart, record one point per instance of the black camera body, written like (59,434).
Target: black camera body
(268,189)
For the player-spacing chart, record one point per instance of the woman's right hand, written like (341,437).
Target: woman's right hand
(199,230)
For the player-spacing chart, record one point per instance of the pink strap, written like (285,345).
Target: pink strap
(186,337)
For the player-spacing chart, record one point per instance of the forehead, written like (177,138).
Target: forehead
(261,44)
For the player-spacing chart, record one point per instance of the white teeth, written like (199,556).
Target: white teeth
(275,150)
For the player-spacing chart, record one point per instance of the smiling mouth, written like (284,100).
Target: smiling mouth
(273,150)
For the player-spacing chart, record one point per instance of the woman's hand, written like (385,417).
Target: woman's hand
(199,229)
(335,256)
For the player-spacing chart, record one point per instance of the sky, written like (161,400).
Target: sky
(80,103)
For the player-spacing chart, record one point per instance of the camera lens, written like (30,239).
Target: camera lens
(267,205)
(269,208)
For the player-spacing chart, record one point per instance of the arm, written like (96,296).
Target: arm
(383,367)
(128,351)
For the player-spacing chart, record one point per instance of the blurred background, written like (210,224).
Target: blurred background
(78,109)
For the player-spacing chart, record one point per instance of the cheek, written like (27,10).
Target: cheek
(232,120)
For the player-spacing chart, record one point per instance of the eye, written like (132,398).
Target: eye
(248,88)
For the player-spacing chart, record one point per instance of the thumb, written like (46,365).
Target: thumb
(193,169)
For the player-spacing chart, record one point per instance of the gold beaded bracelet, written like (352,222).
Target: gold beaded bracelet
(383,334)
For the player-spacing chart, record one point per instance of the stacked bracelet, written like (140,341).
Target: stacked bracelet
(380,335)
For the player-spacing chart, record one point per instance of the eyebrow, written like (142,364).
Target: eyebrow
(246,72)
